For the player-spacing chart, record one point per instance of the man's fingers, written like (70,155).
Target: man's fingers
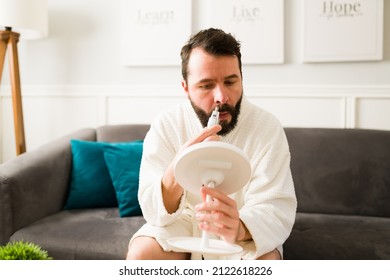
(216,194)
(207,132)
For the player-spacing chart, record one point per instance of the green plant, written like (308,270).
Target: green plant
(21,250)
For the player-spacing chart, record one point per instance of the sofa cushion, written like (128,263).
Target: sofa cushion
(123,161)
(83,234)
(336,237)
(105,175)
(90,183)
(341,171)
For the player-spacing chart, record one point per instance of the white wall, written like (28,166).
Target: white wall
(74,79)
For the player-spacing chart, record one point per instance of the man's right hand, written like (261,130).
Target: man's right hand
(171,190)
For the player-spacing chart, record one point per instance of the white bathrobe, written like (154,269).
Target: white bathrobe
(267,205)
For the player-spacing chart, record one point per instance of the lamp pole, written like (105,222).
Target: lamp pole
(9,40)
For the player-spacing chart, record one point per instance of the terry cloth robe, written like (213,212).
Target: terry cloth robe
(267,204)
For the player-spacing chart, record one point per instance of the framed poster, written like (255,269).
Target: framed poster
(342,30)
(153,31)
(257,24)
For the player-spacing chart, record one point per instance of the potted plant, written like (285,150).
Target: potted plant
(21,250)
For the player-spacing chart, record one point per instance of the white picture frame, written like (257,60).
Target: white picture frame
(257,24)
(153,31)
(342,30)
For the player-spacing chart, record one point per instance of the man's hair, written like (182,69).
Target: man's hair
(213,41)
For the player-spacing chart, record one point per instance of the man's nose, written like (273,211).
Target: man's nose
(220,95)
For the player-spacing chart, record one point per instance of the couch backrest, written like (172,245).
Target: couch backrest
(121,133)
(341,171)
(335,171)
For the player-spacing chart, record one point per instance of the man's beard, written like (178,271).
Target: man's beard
(227,127)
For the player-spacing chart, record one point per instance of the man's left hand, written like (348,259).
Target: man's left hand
(220,216)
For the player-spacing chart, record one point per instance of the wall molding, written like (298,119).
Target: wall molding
(349,95)
(308,91)
(343,106)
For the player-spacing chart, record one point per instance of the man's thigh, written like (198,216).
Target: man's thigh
(182,227)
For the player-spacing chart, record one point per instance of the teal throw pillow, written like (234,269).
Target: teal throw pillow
(90,184)
(123,161)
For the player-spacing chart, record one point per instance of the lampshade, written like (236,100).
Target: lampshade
(27,17)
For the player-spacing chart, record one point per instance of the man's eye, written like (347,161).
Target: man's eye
(230,83)
(206,86)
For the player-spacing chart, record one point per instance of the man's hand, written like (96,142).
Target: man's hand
(220,216)
(171,190)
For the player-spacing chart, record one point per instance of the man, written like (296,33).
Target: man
(261,215)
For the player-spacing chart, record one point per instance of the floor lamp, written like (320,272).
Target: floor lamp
(26,19)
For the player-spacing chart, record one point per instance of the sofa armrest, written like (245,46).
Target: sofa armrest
(35,184)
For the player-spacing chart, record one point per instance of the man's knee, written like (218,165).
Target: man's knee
(273,255)
(147,248)
(142,248)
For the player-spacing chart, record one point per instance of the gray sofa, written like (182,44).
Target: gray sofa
(342,181)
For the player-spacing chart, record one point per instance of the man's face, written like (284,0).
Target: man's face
(214,81)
